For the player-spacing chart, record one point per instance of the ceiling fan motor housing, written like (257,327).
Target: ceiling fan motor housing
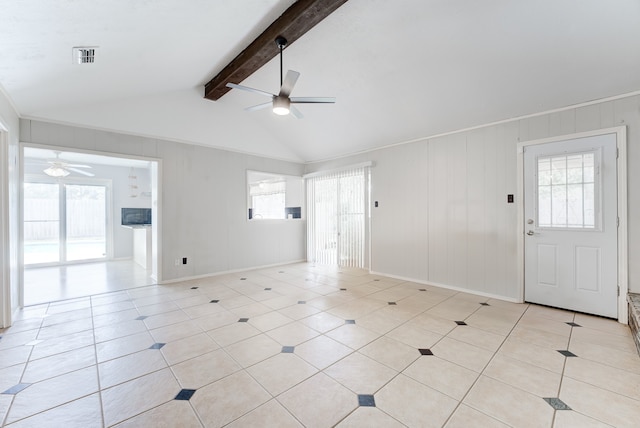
(281,105)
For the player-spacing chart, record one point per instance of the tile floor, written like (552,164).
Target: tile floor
(313,346)
(53,283)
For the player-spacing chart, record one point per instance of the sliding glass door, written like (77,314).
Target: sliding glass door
(64,222)
(41,223)
(336,229)
(86,222)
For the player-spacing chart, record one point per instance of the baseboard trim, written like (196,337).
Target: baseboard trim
(209,275)
(450,287)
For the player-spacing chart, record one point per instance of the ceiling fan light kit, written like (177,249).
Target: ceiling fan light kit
(60,168)
(281,106)
(281,103)
(56,171)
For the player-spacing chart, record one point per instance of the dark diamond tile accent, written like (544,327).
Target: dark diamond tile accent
(288,349)
(425,352)
(343,289)
(366,400)
(243,320)
(567,353)
(141,317)
(16,388)
(194,288)
(280,271)
(349,321)
(243,279)
(572,324)
(185,394)
(267,289)
(214,301)
(376,281)
(557,403)
(302,302)
(422,289)
(485,304)
(461,323)
(392,303)
(157,345)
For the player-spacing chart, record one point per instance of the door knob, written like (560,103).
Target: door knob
(530,233)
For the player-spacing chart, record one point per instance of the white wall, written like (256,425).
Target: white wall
(9,293)
(203,200)
(443,215)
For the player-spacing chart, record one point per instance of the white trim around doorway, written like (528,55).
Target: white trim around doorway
(623,260)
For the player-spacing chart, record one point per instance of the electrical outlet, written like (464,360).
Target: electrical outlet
(184,260)
(177,262)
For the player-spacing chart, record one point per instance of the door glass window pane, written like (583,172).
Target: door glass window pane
(86,222)
(41,223)
(566,191)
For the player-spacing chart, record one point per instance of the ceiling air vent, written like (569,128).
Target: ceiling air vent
(84,54)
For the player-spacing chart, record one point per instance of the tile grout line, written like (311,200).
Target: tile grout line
(95,352)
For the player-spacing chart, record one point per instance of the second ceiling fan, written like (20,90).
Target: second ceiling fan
(281,102)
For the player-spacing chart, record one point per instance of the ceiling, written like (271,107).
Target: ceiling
(400,70)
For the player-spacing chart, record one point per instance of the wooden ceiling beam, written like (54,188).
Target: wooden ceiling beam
(292,24)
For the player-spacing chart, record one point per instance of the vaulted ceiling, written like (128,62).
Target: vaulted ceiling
(400,70)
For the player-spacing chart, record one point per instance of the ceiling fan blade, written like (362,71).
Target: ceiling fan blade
(78,166)
(246,88)
(295,112)
(289,82)
(259,106)
(79,171)
(312,100)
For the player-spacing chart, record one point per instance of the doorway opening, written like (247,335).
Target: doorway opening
(75,242)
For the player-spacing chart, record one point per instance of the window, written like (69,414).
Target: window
(274,196)
(567,191)
(267,199)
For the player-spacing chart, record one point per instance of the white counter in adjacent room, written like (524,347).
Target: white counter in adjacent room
(142,245)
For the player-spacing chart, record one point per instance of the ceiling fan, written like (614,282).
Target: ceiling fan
(61,168)
(281,103)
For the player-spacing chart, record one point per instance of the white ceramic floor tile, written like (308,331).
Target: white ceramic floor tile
(228,399)
(315,409)
(172,413)
(53,392)
(81,413)
(137,396)
(402,396)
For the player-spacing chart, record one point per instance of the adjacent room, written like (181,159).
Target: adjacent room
(86,224)
(320,213)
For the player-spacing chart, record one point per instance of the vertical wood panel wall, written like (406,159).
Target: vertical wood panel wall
(204,200)
(443,215)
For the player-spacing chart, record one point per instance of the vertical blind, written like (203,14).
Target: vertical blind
(336,206)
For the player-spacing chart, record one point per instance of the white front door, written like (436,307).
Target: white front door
(570,214)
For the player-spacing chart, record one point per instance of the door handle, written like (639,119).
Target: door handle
(530,233)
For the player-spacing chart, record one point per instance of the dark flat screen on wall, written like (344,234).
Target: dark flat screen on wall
(136,216)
